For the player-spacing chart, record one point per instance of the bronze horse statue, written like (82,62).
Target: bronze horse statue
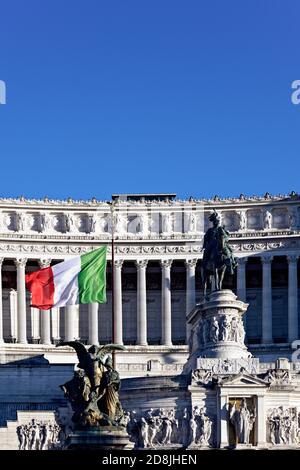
(218,255)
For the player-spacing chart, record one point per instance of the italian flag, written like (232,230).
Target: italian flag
(79,280)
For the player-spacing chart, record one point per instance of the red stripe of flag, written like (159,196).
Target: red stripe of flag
(41,285)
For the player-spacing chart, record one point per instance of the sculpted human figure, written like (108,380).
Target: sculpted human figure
(29,437)
(167,223)
(45,222)
(144,223)
(242,421)
(93,391)
(267,220)
(167,428)
(154,424)
(214,332)
(294,426)
(193,430)
(243,220)
(133,428)
(205,427)
(234,329)
(46,436)
(185,428)
(91,223)
(144,433)
(120,223)
(240,331)
(274,423)
(35,434)
(168,421)
(109,402)
(69,222)
(218,255)
(293,218)
(22,437)
(21,221)
(225,329)
(192,222)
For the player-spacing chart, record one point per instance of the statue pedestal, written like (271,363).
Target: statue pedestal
(102,438)
(217,330)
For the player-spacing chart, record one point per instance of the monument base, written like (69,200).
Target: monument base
(102,438)
(217,330)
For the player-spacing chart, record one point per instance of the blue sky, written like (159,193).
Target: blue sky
(191,97)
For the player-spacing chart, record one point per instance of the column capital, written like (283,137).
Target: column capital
(292,258)
(166,263)
(44,263)
(20,262)
(190,263)
(141,263)
(242,261)
(118,263)
(266,259)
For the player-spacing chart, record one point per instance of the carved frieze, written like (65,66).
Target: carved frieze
(175,227)
(283,426)
(169,427)
(37,435)
(229,366)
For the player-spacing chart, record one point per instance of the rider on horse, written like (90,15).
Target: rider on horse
(218,254)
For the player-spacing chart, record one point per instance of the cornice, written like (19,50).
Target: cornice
(242,200)
(142,222)
(132,239)
(149,250)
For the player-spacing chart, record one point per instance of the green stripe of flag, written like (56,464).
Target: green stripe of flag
(92,277)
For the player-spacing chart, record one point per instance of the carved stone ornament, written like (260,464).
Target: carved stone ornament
(283,426)
(141,263)
(202,376)
(167,428)
(39,435)
(242,419)
(229,366)
(278,377)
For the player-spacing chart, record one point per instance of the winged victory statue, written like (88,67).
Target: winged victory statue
(93,390)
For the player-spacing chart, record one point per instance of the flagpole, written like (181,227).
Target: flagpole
(113,283)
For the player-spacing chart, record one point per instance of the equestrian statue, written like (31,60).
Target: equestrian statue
(218,255)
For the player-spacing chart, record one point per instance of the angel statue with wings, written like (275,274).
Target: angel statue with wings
(93,390)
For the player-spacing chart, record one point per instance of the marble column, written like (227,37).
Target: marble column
(267,335)
(76,310)
(1,306)
(13,315)
(222,416)
(71,322)
(190,298)
(93,323)
(166,302)
(118,320)
(292,298)
(35,325)
(55,320)
(261,421)
(241,283)
(45,314)
(141,302)
(241,279)
(21,300)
